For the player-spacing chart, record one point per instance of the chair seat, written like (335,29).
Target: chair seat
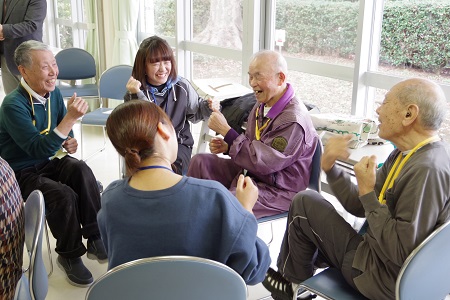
(331,284)
(273,218)
(82,90)
(97,117)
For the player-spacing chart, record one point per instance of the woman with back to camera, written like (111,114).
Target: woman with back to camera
(154,78)
(157,212)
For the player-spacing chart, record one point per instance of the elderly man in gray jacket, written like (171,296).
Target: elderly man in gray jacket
(403,201)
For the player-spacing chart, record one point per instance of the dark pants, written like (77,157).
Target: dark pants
(71,198)
(181,165)
(316,235)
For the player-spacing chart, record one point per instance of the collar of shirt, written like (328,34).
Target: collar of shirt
(281,103)
(41,100)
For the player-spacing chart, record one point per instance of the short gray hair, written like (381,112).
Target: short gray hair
(280,61)
(430,99)
(22,54)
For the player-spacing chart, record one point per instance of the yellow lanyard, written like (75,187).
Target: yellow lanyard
(397,167)
(257,129)
(49,120)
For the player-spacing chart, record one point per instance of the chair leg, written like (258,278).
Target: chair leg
(48,249)
(271,235)
(271,232)
(97,151)
(203,138)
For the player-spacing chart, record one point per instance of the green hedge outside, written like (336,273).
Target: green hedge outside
(414,34)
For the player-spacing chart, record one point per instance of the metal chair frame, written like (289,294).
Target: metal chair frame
(35,287)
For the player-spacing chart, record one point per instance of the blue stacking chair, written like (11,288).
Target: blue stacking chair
(112,85)
(35,286)
(424,275)
(75,64)
(169,277)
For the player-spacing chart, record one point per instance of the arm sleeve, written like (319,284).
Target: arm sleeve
(253,264)
(345,191)
(102,228)
(34,17)
(261,158)
(18,121)
(413,209)
(138,96)
(197,107)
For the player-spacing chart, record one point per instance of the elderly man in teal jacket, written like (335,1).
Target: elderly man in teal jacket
(34,129)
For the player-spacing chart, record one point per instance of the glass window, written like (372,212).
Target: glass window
(329,95)
(218,22)
(64,9)
(323,31)
(206,66)
(318,31)
(64,33)
(157,17)
(70,24)
(415,42)
(65,37)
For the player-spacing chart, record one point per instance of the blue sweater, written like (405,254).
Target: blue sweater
(195,217)
(21,143)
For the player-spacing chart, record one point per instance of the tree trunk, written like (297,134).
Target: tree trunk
(224,26)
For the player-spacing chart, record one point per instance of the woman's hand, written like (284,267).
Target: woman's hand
(246,192)
(133,86)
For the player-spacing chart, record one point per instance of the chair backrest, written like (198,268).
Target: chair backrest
(113,82)
(426,272)
(314,179)
(75,63)
(34,225)
(169,277)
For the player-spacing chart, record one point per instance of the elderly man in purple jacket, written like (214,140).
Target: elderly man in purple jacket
(277,147)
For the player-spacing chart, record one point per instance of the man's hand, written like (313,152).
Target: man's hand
(133,85)
(218,123)
(214,105)
(246,192)
(365,172)
(336,148)
(218,145)
(76,107)
(71,145)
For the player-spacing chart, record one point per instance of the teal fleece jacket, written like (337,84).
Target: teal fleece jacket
(21,143)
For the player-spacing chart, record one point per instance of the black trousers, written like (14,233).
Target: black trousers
(72,200)
(316,236)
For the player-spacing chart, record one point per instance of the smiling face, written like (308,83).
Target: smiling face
(266,82)
(42,73)
(158,72)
